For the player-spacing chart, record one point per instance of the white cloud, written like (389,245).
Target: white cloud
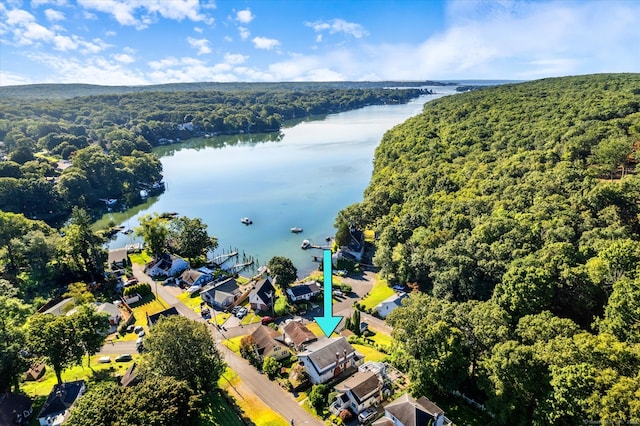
(265,43)
(54,15)
(202,44)
(235,58)
(198,30)
(36,3)
(339,26)
(142,13)
(228,39)
(244,33)
(244,16)
(12,79)
(124,58)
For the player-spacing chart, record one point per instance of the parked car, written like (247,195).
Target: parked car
(337,293)
(104,359)
(242,312)
(124,358)
(138,329)
(266,320)
(141,333)
(367,415)
(235,310)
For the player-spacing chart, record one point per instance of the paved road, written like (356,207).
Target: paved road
(269,392)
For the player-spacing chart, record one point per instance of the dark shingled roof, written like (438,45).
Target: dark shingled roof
(300,290)
(265,290)
(152,319)
(61,398)
(11,402)
(361,385)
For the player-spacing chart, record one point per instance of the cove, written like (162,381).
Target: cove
(300,177)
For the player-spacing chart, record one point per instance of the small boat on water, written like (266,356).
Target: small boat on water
(305,244)
(128,231)
(296,230)
(246,221)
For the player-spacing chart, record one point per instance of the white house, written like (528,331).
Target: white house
(358,392)
(305,291)
(407,411)
(262,296)
(329,358)
(387,306)
(56,408)
(220,295)
(168,265)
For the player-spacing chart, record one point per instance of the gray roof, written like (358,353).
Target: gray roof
(413,412)
(265,291)
(61,398)
(152,319)
(228,286)
(361,385)
(323,352)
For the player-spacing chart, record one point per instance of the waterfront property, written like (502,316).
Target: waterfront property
(221,295)
(262,296)
(305,291)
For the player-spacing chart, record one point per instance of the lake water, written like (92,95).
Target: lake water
(299,178)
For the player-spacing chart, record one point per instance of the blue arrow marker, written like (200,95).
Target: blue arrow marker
(327,321)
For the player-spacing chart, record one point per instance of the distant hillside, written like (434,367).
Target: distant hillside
(64,91)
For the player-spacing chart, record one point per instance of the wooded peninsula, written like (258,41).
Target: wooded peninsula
(514,213)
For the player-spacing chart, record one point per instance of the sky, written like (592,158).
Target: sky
(140,42)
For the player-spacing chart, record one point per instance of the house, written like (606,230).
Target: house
(407,411)
(152,319)
(221,295)
(110,309)
(118,258)
(35,372)
(15,409)
(329,358)
(262,296)
(130,377)
(269,342)
(357,393)
(60,308)
(305,291)
(298,335)
(56,408)
(193,277)
(354,250)
(387,306)
(168,265)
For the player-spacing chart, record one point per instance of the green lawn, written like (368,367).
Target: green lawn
(233,343)
(381,339)
(250,318)
(191,301)
(141,258)
(379,292)
(315,329)
(370,354)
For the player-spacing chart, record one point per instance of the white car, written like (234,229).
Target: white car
(104,359)
(241,312)
(367,415)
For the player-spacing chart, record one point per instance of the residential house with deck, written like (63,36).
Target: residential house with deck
(407,411)
(329,358)
(357,393)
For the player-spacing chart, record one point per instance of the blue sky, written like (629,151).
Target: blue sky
(131,42)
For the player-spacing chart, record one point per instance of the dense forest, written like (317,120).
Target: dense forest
(514,213)
(61,153)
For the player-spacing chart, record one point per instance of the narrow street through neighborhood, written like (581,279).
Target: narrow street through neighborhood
(270,393)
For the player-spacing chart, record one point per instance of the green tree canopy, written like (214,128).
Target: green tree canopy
(188,237)
(183,349)
(283,270)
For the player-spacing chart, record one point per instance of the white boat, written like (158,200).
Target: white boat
(305,244)
(296,230)
(246,221)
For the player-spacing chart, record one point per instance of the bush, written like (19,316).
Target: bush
(143,289)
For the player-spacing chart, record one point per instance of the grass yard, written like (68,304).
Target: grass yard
(315,329)
(43,386)
(250,318)
(233,343)
(141,258)
(379,292)
(191,302)
(370,354)
(148,305)
(459,412)
(218,412)
(381,339)
(252,407)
